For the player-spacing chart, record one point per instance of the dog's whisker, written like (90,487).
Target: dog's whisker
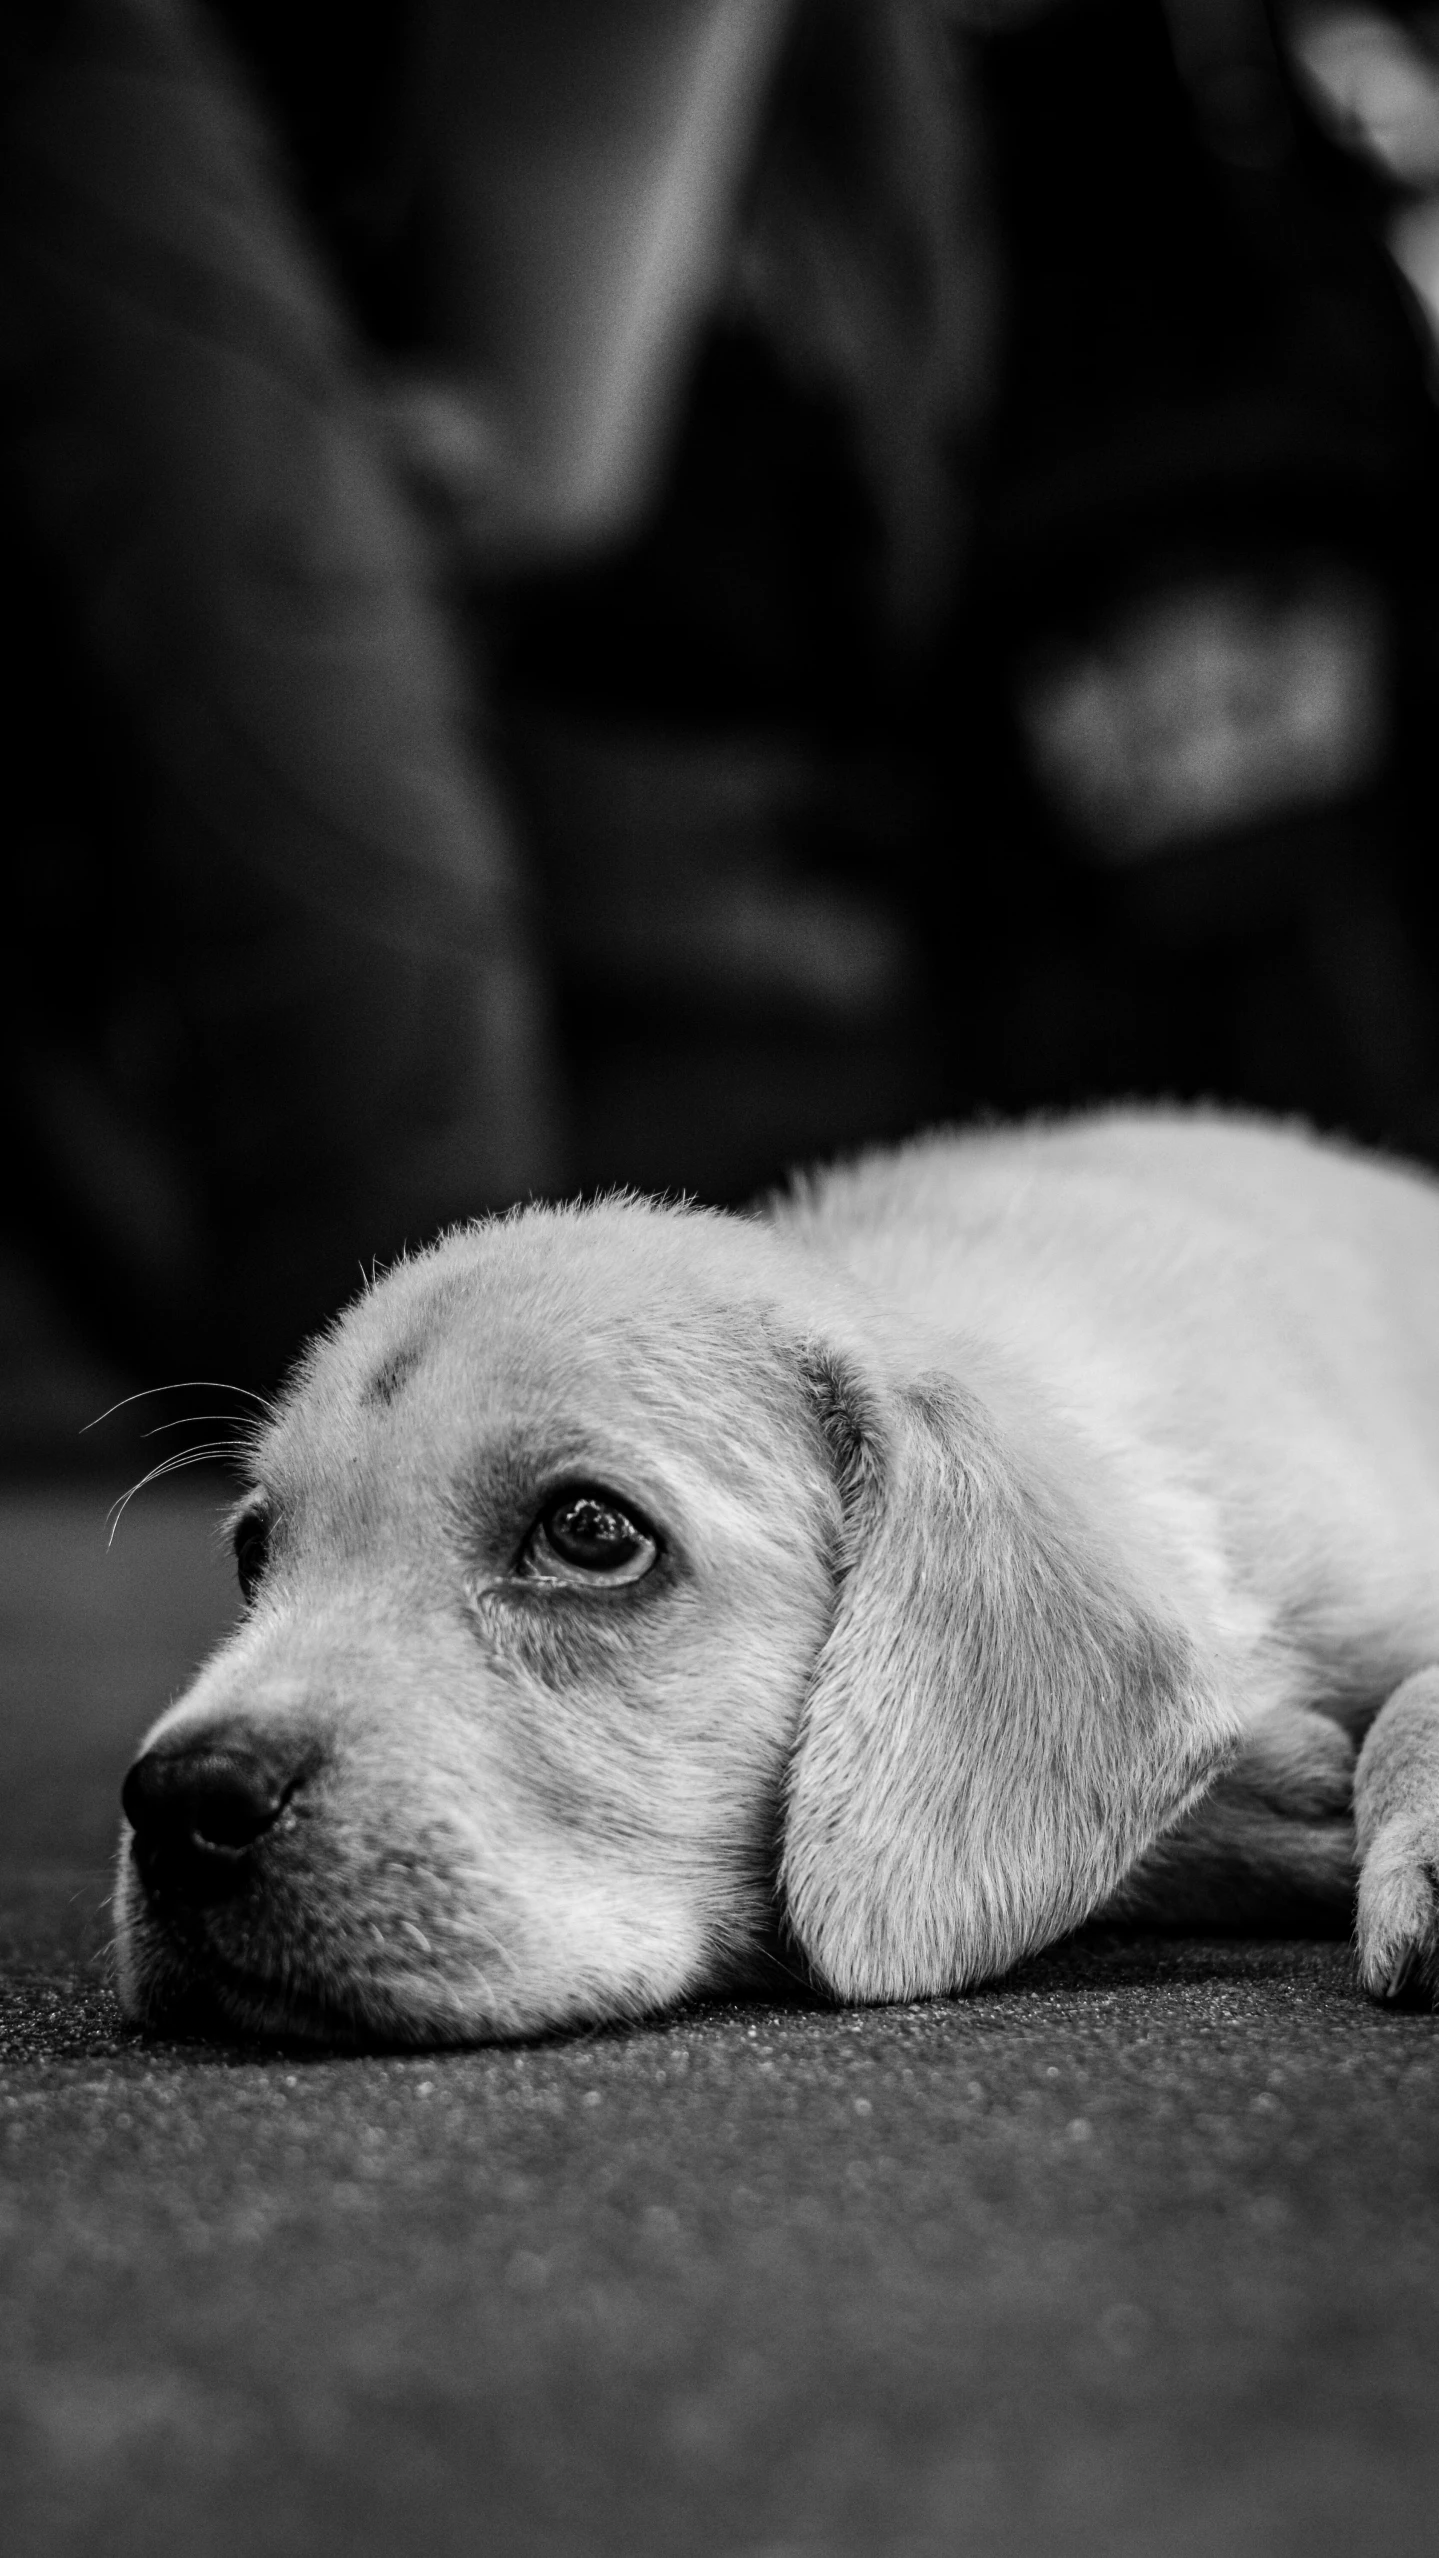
(204,1455)
(183,1385)
(191,1420)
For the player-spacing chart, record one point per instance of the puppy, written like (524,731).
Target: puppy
(1016,1527)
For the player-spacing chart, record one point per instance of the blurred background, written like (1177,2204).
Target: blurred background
(641,591)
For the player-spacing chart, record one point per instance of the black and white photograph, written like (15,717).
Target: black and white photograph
(719,1279)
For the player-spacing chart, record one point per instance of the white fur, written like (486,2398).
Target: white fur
(1013,1488)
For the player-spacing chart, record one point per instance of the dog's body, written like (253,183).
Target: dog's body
(1017,1526)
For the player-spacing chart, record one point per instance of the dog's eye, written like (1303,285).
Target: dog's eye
(251,1540)
(586,1537)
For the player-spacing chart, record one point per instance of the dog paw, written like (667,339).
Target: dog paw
(1397,1925)
(1396,1821)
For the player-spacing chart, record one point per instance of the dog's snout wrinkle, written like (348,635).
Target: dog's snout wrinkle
(199,1809)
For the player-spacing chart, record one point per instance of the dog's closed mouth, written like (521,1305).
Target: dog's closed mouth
(200,1993)
(218,2003)
(290,1954)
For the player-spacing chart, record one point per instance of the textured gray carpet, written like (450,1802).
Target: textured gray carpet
(1138,2255)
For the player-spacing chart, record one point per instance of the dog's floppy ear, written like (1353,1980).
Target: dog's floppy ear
(1002,1718)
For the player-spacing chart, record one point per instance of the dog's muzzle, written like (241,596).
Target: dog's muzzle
(200,1808)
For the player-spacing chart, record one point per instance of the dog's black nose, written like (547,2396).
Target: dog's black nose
(198,1807)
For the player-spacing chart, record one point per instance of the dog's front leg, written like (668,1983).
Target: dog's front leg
(1270,1850)
(1396,1821)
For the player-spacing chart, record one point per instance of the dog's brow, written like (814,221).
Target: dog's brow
(392,1375)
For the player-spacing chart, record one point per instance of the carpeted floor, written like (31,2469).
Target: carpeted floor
(1137,2256)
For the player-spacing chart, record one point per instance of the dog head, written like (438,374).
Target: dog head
(614,1580)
